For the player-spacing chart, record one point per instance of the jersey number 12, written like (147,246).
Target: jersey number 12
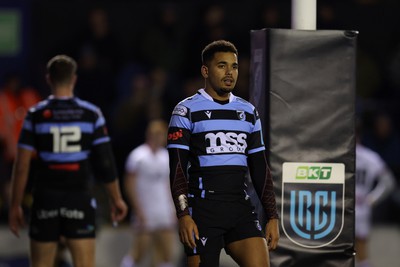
(63,137)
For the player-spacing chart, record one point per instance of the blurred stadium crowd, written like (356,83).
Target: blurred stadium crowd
(137,59)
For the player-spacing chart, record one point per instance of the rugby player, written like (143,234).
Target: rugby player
(214,139)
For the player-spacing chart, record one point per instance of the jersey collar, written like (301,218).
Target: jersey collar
(207,96)
(61,97)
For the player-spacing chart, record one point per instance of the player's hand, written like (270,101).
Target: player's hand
(16,219)
(119,210)
(188,231)
(272,233)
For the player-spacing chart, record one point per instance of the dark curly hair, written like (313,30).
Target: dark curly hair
(214,47)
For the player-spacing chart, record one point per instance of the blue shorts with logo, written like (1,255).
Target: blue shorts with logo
(68,214)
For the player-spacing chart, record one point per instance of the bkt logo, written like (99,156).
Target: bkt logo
(313,202)
(225,143)
(313,172)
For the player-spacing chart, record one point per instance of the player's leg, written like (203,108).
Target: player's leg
(61,256)
(362,231)
(249,252)
(44,229)
(82,251)
(43,254)
(209,216)
(209,259)
(193,261)
(207,251)
(163,247)
(141,245)
(245,241)
(361,246)
(77,225)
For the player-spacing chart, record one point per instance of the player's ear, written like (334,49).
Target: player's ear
(204,71)
(74,79)
(48,79)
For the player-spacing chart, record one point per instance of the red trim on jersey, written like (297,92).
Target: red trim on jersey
(65,167)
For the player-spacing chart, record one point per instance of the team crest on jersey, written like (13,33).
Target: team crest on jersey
(313,202)
(180,110)
(241,115)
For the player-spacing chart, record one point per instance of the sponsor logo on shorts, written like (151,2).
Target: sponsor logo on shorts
(62,212)
(203,240)
(313,209)
(46,214)
(72,214)
(258,226)
(89,229)
(180,110)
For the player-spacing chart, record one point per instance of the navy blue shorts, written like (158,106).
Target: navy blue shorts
(68,214)
(222,222)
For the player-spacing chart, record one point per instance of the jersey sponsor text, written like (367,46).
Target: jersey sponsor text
(226,142)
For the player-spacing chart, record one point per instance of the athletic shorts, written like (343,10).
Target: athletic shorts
(68,214)
(157,219)
(222,222)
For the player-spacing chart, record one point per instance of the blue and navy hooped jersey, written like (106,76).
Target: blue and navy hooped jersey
(63,133)
(218,137)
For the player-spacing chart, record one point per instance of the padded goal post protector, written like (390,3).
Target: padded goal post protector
(303,84)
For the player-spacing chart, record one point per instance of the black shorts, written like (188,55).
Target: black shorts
(222,222)
(68,214)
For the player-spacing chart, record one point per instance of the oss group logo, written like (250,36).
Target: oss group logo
(313,202)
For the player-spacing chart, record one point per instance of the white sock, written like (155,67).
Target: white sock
(127,261)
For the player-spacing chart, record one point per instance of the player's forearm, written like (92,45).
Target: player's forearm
(113,190)
(178,181)
(20,176)
(17,190)
(268,198)
(103,161)
(180,199)
(262,181)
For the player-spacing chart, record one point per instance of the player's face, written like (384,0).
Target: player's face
(221,73)
(156,134)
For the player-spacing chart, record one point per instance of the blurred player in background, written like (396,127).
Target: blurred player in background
(15,100)
(147,188)
(66,133)
(374,182)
